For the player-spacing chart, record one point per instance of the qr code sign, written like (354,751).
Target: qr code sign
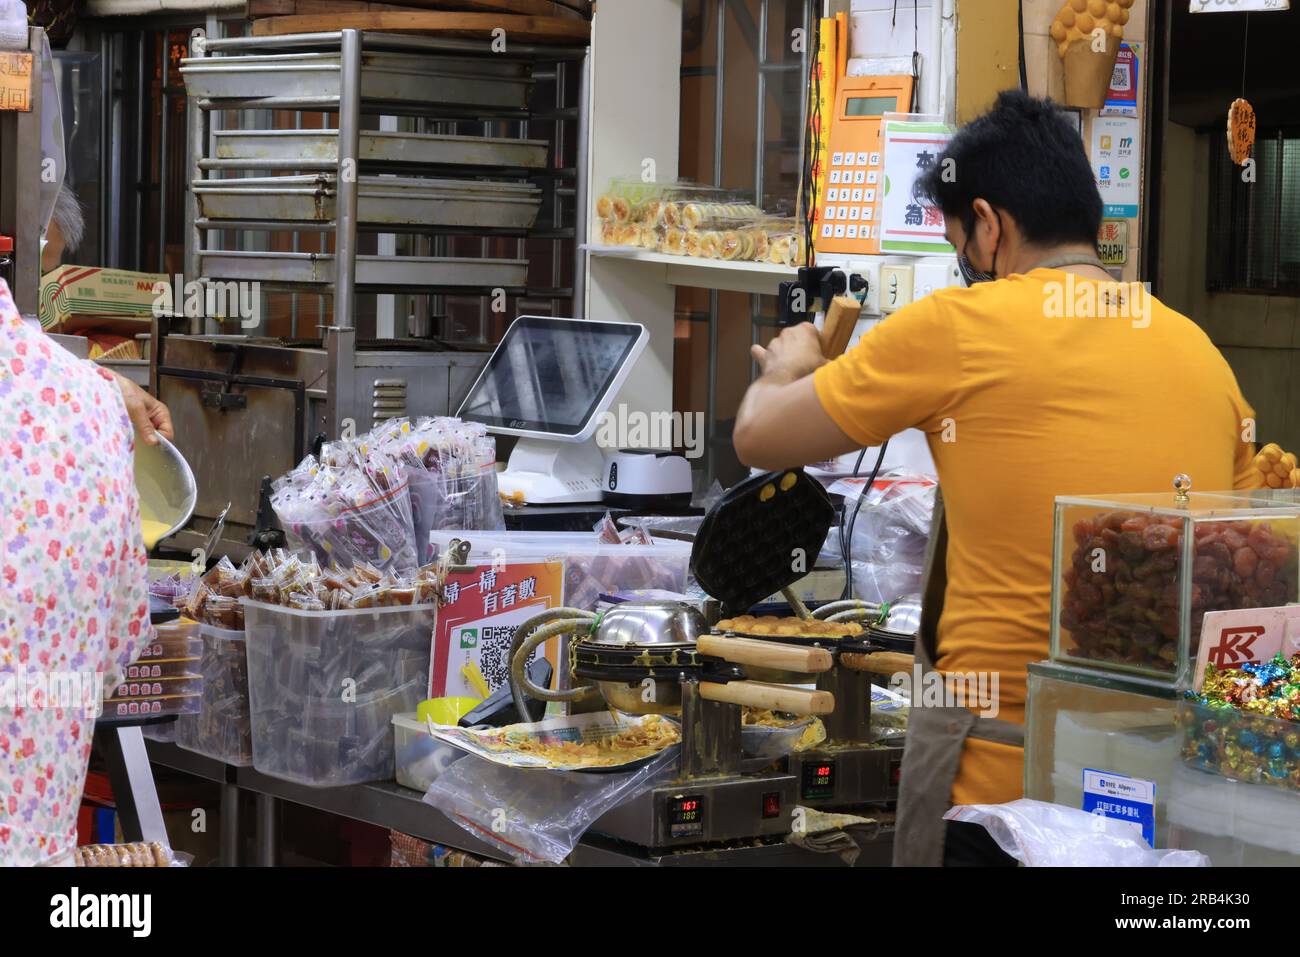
(494,647)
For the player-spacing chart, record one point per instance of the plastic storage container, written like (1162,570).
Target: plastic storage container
(173,640)
(152,668)
(591,568)
(419,756)
(323,687)
(1133,575)
(1235,823)
(152,706)
(223,728)
(1082,719)
(1241,746)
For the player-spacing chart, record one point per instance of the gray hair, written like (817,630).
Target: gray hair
(69,217)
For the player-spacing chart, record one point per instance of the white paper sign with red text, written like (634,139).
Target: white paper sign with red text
(1230,639)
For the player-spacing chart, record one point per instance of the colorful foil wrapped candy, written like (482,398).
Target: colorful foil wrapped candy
(1245,723)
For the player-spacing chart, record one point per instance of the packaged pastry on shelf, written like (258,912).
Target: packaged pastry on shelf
(137,854)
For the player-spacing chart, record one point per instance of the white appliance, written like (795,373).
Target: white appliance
(635,477)
(550,381)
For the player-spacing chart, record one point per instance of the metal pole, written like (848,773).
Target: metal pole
(198,149)
(581,166)
(760,136)
(268,813)
(26,173)
(557,212)
(229,825)
(340,337)
(163,151)
(345,235)
(720,62)
(140,138)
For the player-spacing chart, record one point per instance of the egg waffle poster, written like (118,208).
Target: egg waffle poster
(476,626)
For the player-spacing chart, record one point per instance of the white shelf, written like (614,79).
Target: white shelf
(763,278)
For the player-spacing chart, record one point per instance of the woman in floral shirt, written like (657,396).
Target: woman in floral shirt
(73,592)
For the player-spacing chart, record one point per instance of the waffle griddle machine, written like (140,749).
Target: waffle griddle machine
(742,553)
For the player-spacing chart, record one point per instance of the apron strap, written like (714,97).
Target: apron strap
(934,584)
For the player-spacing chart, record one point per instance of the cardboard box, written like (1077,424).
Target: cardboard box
(76,298)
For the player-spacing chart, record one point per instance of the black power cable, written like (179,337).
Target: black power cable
(846,527)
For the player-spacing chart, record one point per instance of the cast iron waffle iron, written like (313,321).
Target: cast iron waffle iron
(764,534)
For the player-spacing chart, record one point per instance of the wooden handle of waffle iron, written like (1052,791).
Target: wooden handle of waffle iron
(837,330)
(758,694)
(765,654)
(877,662)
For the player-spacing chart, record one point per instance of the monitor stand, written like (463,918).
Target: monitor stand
(546,472)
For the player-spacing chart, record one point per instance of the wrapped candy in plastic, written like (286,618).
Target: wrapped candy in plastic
(450,467)
(359,510)
(1244,724)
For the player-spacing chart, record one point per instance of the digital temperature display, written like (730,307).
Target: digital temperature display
(685,817)
(818,780)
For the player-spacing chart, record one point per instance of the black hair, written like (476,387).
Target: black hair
(1026,158)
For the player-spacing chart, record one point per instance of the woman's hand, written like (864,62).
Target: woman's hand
(148,415)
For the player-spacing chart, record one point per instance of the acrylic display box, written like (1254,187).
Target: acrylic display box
(1133,575)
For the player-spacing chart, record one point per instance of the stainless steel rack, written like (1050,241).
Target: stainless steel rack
(429,181)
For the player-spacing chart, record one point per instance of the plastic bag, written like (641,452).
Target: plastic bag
(13,31)
(1039,834)
(890,534)
(451,469)
(536,816)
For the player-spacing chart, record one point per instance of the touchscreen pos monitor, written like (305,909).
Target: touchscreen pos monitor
(549,381)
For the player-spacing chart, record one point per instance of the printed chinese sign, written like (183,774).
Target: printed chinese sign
(1112,242)
(1230,639)
(908,225)
(16,82)
(484,607)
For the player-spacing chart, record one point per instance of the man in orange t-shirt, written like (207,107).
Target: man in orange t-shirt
(1043,378)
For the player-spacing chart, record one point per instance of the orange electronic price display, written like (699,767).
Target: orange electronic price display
(854,184)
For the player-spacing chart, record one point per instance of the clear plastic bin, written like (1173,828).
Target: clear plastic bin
(1080,718)
(223,728)
(162,733)
(323,687)
(188,684)
(173,640)
(591,568)
(1133,575)
(152,707)
(1235,823)
(1240,746)
(420,757)
(151,668)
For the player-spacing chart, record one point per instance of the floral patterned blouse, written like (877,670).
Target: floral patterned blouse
(74,606)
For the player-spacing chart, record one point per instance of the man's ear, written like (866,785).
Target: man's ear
(986,221)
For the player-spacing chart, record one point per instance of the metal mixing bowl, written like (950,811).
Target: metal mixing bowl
(165,484)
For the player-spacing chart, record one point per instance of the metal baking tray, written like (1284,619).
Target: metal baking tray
(385,77)
(309,149)
(393,272)
(381,200)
